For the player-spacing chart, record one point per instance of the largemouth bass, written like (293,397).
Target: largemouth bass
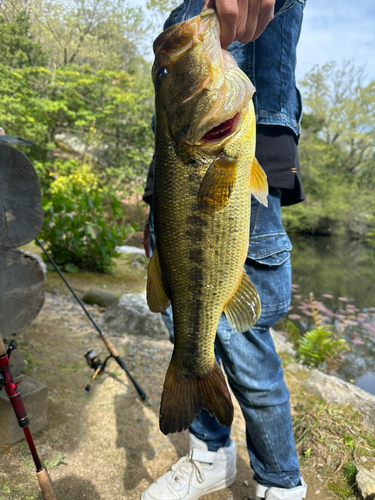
(205,172)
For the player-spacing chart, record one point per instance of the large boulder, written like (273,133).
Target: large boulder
(131,315)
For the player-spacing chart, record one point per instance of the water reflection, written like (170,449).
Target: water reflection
(342,277)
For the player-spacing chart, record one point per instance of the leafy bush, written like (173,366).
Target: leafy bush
(76,231)
(320,346)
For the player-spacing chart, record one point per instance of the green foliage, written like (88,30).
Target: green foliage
(106,34)
(18,48)
(320,347)
(80,229)
(331,437)
(336,153)
(53,464)
(107,112)
(294,334)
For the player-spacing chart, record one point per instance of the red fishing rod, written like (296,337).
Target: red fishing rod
(23,421)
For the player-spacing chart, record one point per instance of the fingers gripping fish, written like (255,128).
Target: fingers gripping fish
(205,173)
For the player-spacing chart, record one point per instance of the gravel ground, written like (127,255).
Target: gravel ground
(105,444)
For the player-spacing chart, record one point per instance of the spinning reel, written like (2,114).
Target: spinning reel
(95,363)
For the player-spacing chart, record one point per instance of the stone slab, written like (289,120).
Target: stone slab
(337,391)
(34,396)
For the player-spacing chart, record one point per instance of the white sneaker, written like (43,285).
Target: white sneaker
(297,493)
(197,474)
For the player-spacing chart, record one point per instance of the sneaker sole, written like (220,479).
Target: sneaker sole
(219,486)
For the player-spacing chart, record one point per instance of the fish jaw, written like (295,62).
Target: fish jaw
(198,85)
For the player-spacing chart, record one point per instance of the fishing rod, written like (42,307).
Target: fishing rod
(16,401)
(97,366)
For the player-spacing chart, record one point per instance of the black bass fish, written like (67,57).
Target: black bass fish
(205,173)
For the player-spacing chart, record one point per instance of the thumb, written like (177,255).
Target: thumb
(208,4)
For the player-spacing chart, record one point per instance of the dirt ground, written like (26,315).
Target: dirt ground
(106,444)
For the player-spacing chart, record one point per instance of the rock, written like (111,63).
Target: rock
(281,343)
(296,369)
(366,485)
(130,314)
(102,298)
(366,475)
(128,249)
(337,391)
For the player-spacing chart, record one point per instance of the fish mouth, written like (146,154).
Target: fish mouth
(222,131)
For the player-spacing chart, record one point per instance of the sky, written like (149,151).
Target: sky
(336,31)
(333,30)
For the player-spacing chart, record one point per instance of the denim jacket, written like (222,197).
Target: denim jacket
(269,62)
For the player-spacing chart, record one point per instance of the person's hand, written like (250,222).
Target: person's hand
(146,240)
(242,20)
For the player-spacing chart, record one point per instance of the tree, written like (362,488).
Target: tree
(10,9)
(345,107)
(18,48)
(107,34)
(337,153)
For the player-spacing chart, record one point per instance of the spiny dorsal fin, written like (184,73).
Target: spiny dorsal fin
(243,308)
(258,183)
(217,185)
(157,299)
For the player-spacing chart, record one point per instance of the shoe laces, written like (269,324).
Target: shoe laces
(185,466)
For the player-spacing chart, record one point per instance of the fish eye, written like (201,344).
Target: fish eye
(162,73)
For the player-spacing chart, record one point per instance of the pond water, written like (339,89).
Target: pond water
(341,275)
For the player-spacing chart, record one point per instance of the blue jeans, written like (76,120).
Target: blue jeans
(250,361)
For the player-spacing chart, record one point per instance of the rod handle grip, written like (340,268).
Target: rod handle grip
(110,346)
(45,485)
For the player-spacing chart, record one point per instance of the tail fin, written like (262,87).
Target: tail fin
(183,399)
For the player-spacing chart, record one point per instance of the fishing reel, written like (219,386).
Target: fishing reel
(95,363)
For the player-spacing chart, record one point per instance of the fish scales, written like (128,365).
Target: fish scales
(205,172)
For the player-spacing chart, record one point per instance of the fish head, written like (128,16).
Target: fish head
(200,93)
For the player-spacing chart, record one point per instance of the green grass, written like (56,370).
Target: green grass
(328,437)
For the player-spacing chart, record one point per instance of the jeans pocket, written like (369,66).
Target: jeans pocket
(268,266)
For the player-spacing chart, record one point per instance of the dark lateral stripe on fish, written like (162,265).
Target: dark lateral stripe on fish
(183,398)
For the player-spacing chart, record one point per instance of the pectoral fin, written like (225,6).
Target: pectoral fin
(217,185)
(157,299)
(243,308)
(258,183)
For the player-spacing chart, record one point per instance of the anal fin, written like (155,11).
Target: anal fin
(157,299)
(243,308)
